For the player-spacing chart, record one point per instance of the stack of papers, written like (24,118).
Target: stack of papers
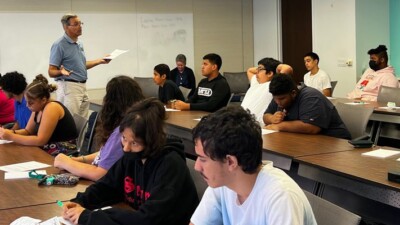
(25,220)
(381,153)
(21,170)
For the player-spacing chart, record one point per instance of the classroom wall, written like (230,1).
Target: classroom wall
(394,8)
(373,29)
(267,32)
(217,28)
(334,40)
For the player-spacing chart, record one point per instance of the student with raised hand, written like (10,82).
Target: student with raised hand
(316,78)
(242,190)
(121,93)
(213,92)
(50,121)
(13,85)
(257,97)
(183,75)
(167,89)
(151,177)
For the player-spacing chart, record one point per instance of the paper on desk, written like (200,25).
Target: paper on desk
(389,108)
(198,119)
(4,142)
(115,54)
(398,159)
(356,103)
(381,153)
(266,131)
(26,166)
(19,175)
(330,97)
(57,220)
(171,110)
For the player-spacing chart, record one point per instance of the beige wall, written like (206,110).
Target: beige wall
(224,26)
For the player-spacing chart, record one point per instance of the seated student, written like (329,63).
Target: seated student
(377,75)
(316,78)
(213,92)
(151,177)
(6,109)
(167,89)
(183,75)
(302,111)
(50,122)
(14,85)
(257,97)
(121,93)
(241,190)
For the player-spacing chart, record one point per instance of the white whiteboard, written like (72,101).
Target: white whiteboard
(26,40)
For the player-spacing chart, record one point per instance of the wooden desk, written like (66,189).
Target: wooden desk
(283,147)
(42,212)
(350,171)
(26,192)
(180,124)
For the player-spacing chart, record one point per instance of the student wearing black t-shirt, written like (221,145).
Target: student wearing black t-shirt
(213,92)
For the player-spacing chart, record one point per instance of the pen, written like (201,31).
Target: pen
(59,203)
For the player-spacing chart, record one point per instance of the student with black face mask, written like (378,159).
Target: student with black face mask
(377,75)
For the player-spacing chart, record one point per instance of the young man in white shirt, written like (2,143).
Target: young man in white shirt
(228,144)
(316,78)
(257,97)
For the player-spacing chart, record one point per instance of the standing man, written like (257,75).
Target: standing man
(213,92)
(242,190)
(378,74)
(69,67)
(316,78)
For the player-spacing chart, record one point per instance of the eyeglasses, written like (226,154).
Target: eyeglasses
(76,24)
(260,68)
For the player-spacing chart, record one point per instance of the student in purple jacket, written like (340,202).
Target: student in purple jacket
(121,93)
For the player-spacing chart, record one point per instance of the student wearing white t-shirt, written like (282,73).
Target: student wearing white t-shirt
(257,97)
(241,190)
(316,78)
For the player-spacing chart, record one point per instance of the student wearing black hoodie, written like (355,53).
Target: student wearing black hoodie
(151,177)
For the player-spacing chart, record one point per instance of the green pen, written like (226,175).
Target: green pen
(59,203)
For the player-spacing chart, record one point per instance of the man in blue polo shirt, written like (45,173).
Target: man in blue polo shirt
(69,67)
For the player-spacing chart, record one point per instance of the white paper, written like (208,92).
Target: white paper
(115,54)
(4,142)
(171,110)
(356,103)
(25,220)
(19,175)
(389,108)
(398,159)
(381,153)
(266,131)
(26,166)
(197,119)
(330,97)
(57,220)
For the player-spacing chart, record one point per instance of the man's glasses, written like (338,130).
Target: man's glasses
(260,68)
(76,24)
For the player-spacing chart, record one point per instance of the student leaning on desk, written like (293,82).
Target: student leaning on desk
(302,111)
(50,122)
(151,177)
(121,93)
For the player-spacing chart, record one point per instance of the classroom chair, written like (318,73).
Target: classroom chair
(238,83)
(199,182)
(185,92)
(333,85)
(327,213)
(149,88)
(80,123)
(355,117)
